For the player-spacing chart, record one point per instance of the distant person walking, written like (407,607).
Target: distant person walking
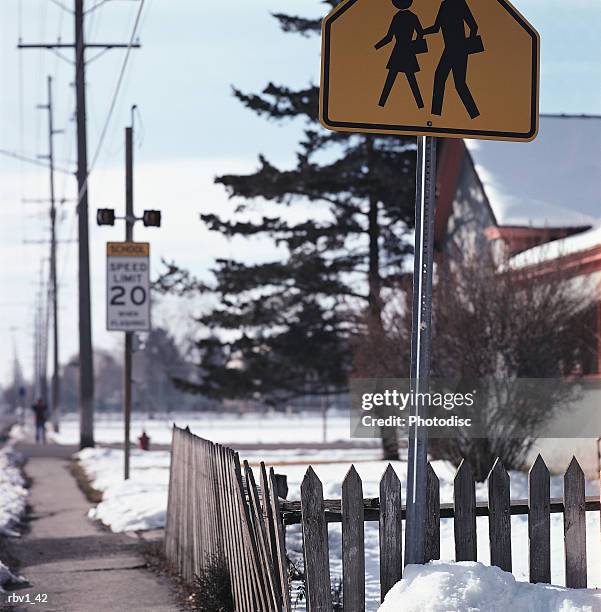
(452,16)
(40,411)
(403,58)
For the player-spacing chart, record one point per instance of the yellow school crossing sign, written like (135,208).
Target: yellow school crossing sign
(455,68)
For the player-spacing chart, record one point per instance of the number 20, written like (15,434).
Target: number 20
(137,295)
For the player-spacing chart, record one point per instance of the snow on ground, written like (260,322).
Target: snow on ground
(13,494)
(7,577)
(141,503)
(218,427)
(133,505)
(469,586)
(13,500)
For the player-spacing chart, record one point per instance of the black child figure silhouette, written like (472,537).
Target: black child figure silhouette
(403,57)
(450,19)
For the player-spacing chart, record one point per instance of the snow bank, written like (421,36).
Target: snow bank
(7,577)
(137,504)
(472,587)
(132,506)
(13,494)
(13,501)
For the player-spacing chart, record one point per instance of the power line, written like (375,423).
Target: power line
(62,6)
(118,85)
(32,160)
(138,21)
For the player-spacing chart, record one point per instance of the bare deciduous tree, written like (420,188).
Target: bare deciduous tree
(516,334)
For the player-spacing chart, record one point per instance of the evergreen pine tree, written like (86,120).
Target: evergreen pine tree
(289,323)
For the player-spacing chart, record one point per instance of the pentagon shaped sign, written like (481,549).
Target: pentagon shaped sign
(455,68)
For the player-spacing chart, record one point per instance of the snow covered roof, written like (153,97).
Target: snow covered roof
(559,248)
(553,181)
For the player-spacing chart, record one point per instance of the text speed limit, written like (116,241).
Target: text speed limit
(128,286)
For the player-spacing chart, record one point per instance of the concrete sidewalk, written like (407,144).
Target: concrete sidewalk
(79,566)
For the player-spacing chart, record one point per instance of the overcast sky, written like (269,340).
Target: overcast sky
(191,128)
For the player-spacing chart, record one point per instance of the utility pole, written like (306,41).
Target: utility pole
(130,219)
(53,293)
(86,361)
(36,351)
(86,357)
(40,341)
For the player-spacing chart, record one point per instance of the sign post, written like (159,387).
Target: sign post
(127,345)
(451,68)
(420,346)
(128,280)
(128,310)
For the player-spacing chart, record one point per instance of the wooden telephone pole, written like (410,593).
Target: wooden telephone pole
(86,361)
(53,288)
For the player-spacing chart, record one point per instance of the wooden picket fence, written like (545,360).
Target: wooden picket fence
(352,510)
(216,512)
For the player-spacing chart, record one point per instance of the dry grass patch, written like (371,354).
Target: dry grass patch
(93,495)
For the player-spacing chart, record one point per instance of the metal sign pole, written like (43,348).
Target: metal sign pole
(129,236)
(420,347)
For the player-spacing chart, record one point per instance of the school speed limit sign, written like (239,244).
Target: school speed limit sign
(128,286)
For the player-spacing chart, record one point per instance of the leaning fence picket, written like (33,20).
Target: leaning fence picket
(259,586)
(539,522)
(244,556)
(575,526)
(391,531)
(432,548)
(226,530)
(353,543)
(464,505)
(264,554)
(238,574)
(218,534)
(315,544)
(267,514)
(282,563)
